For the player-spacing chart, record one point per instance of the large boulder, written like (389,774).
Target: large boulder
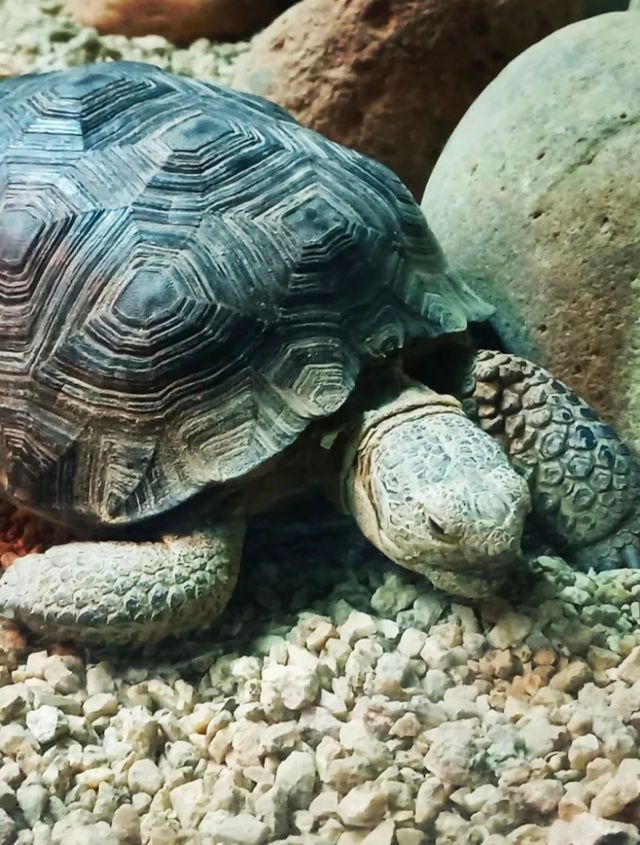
(180,21)
(535,199)
(391,78)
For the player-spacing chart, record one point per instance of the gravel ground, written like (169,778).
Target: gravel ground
(37,35)
(341,700)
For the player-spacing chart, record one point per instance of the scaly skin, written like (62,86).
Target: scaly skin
(584,481)
(118,592)
(433,492)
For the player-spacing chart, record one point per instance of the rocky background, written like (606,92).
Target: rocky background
(340,701)
(535,201)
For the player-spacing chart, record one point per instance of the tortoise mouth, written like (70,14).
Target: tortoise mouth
(482,579)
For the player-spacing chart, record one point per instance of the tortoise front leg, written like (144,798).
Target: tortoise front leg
(584,481)
(112,592)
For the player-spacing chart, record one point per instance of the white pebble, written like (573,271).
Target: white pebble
(145,776)
(47,723)
(102,704)
(225,829)
(362,807)
(357,626)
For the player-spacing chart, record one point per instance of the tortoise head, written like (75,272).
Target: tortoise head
(435,493)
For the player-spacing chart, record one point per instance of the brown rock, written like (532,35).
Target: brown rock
(391,78)
(535,201)
(179,21)
(13,645)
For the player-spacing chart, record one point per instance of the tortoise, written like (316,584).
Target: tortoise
(207,308)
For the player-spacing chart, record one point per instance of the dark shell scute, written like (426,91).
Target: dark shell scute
(188,278)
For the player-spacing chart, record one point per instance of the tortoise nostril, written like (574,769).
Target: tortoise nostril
(438,531)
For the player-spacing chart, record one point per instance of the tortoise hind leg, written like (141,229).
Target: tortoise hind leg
(584,481)
(112,592)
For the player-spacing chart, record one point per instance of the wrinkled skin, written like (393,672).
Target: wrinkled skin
(436,494)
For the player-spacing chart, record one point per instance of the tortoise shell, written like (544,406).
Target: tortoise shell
(188,277)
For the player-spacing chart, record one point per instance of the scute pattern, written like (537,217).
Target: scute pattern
(187,279)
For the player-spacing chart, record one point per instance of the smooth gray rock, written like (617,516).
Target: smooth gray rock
(535,201)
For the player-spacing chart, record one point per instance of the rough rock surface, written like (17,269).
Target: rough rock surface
(179,21)
(392,77)
(535,200)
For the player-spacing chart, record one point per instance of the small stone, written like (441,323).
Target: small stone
(392,674)
(189,802)
(382,834)
(587,829)
(102,704)
(542,795)
(629,669)
(296,775)
(47,723)
(583,750)
(324,804)
(10,774)
(145,776)
(510,630)
(225,829)
(412,642)
(362,807)
(333,704)
(601,659)
(32,799)
(528,834)
(357,626)
(68,705)
(323,631)
(435,683)
(427,609)
(95,776)
(63,674)
(163,695)
(297,687)
(452,750)
(388,629)
(13,701)
(271,809)
(406,726)
(303,821)
(572,677)
(136,727)
(393,595)
(126,825)
(539,736)
(80,828)
(99,679)
(281,738)
(432,797)
(35,665)
(619,791)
